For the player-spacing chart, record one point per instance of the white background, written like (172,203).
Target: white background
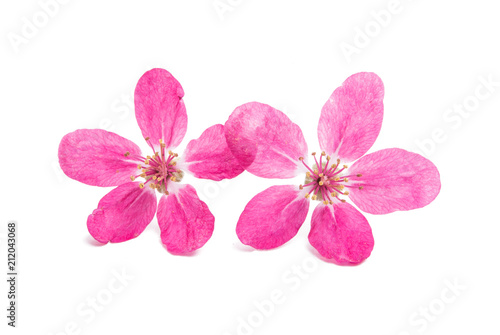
(79,71)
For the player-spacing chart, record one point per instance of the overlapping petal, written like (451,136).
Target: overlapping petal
(394,180)
(98,157)
(123,213)
(351,119)
(159,108)
(265,141)
(340,232)
(272,217)
(185,221)
(209,156)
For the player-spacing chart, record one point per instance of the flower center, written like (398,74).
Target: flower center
(326,182)
(158,170)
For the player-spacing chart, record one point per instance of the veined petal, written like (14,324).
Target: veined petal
(123,213)
(159,109)
(394,180)
(351,119)
(272,217)
(98,157)
(209,156)
(265,141)
(340,232)
(185,221)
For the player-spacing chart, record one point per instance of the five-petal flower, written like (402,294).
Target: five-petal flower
(101,158)
(269,145)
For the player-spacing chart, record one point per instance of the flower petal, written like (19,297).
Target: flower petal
(185,221)
(351,119)
(159,108)
(209,157)
(97,157)
(265,141)
(272,217)
(122,214)
(340,232)
(394,180)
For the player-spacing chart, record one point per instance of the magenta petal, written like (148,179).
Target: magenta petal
(122,214)
(159,108)
(265,141)
(272,217)
(185,221)
(97,157)
(209,156)
(351,119)
(340,232)
(394,180)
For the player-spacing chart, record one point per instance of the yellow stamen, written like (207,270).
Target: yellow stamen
(323,153)
(147,138)
(345,166)
(127,154)
(307,195)
(132,178)
(321,183)
(301,187)
(346,180)
(314,154)
(141,185)
(314,197)
(359,175)
(301,158)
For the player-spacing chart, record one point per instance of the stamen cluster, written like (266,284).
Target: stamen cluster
(325,181)
(159,169)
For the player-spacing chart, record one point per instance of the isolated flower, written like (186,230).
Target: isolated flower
(101,158)
(267,144)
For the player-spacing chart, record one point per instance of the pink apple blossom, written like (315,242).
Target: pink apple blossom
(102,158)
(269,145)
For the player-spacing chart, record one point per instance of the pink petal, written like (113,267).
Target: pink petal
(394,180)
(185,221)
(159,108)
(122,214)
(265,141)
(340,232)
(97,157)
(209,157)
(351,119)
(272,217)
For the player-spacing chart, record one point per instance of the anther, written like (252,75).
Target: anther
(308,174)
(361,187)
(321,183)
(301,187)
(126,154)
(321,174)
(346,193)
(147,138)
(314,154)
(301,158)
(328,158)
(139,166)
(132,178)
(346,180)
(323,153)
(345,166)
(343,200)
(325,202)
(153,186)
(141,185)
(359,175)
(307,195)
(314,197)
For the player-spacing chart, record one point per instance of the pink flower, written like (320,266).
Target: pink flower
(101,158)
(269,145)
